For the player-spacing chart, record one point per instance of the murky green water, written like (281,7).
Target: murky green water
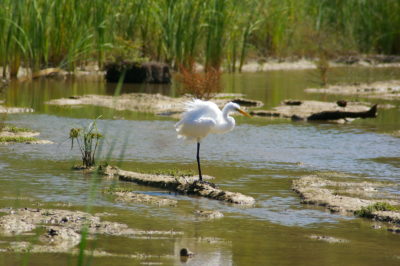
(259,158)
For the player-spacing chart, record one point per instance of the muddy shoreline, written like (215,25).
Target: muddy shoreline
(349,198)
(12,135)
(62,229)
(259,65)
(148,103)
(385,90)
(188,185)
(337,112)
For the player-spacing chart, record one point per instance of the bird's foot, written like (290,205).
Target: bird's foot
(201,181)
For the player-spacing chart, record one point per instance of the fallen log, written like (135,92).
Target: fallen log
(334,115)
(183,184)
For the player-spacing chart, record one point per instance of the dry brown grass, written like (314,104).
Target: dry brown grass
(202,85)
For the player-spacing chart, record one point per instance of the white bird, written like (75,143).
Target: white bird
(204,117)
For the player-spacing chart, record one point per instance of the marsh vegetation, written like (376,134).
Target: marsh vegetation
(145,206)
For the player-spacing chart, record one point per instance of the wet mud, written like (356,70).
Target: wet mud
(387,90)
(9,136)
(349,198)
(183,184)
(147,103)
(338,112)
(126,196)
(62,228)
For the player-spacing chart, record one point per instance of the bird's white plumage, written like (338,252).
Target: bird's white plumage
(204,117)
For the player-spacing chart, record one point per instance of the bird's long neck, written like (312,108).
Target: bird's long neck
(227,121)
(225,112)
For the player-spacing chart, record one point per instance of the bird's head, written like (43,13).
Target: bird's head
(234,107)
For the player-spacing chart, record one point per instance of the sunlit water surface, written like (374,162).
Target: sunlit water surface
(259,158)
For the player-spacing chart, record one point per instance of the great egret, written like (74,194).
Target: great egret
(203,117)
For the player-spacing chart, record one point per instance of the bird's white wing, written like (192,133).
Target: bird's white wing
(198,119)
(197,108)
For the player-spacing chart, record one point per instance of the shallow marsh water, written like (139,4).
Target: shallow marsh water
(259,158)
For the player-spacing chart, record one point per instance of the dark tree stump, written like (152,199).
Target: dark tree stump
(150,72)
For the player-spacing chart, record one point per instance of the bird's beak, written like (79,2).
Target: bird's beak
(243,112)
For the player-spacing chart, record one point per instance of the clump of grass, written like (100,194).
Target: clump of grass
(115,189)
(379,206)
(170,171)
(16,139)
(200,85)
(88,140)
(15,129)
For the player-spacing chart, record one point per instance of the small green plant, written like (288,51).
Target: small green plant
(88,140)
(379,206)
(115,189)
(170,172)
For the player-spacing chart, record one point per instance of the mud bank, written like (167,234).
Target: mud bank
(349,197)
(328,239)
(271,64)
(126,196)
(63,228)
(338,112)
(182,184)
(208,214)
(14,110)
(387,90)
(146,103)
(10,135)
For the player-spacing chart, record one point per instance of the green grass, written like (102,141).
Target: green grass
(14,139)
(169,171)
(15,129)
(115,189)
(379,206)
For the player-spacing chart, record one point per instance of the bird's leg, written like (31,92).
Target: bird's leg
(198,161)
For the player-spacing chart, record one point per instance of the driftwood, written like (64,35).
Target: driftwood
(334,115)
(316,110)
(185,185)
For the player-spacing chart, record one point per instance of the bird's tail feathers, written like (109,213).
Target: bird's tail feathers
(193,104)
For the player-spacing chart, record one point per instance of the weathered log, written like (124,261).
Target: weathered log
(315,110)
(334,115)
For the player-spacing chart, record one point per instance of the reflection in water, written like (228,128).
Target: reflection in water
(209,251)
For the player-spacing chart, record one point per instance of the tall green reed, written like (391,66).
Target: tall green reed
(37,34)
